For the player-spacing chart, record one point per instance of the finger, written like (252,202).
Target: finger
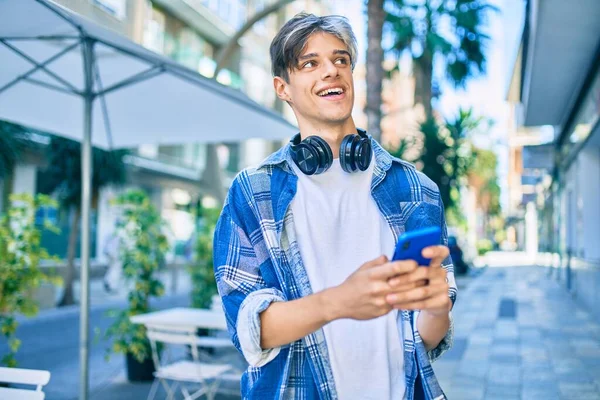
(437,254)
(403,287)
(433,302)
(417,294)
(404,279)
(437,274)
(394,268)
(418,274)
(375,262)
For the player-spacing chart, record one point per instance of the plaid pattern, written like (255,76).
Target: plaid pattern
(257,262)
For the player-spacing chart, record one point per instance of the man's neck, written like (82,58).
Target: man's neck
(332,134)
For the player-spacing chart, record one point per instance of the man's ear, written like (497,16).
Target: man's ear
(281,88)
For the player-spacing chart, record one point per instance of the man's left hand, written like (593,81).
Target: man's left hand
(426,288)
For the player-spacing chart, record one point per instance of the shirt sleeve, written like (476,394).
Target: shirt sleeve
(447,264)
(243,291)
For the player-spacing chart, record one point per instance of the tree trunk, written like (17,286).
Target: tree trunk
(213,175)
(424,81)
(376,17)
(68,297)
(227,51)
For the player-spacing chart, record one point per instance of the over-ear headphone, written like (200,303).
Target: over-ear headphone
(313,155)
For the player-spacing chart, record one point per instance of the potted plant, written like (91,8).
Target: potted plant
(204,286)
(142,248)
(20,272)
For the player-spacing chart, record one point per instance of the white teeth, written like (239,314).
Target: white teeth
(333,90)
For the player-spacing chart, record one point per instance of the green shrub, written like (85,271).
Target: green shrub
(142,248)
(20,257)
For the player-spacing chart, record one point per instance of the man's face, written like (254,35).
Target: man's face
(320,88)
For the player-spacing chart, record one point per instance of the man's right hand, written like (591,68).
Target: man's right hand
(362,295)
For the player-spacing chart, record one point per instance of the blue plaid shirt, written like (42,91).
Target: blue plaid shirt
(257,261)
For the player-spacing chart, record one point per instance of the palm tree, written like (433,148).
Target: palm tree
(483,178)
(432,31)
(62,178)
(14,139)
(374,78)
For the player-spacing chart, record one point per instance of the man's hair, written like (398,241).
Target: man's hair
(291,40)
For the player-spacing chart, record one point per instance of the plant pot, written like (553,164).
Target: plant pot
(139,371)
(205,332)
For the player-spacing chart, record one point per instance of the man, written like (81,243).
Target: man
(301,246)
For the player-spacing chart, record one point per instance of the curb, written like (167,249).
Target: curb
(74,310)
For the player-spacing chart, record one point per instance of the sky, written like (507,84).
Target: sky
(486,94)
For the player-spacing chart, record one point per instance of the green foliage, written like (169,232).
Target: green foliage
(450,29)
(483,246)
(142,249)
(201,270)
(13,139)
(20,272)
(484,168)
(63,174)
(448,158)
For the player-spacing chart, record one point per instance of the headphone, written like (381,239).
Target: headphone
(313,155)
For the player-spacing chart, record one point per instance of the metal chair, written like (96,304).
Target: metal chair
(184,372)
(20,376)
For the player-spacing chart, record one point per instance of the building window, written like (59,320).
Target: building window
(585,120)
(116,8)
(154,33)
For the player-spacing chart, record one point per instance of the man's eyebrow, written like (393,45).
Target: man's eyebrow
(311,55)
(345,52)
(306,56)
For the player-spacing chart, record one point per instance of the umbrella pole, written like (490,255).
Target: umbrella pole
(86,177)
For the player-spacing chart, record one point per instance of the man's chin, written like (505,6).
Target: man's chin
(336,118)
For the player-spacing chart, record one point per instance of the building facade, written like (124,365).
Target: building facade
(558,80)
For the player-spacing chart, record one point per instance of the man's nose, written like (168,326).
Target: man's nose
(330,70)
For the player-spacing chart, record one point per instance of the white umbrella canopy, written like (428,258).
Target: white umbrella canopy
(140,97)
(63,74)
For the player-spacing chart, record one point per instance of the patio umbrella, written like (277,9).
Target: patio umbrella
(63,74)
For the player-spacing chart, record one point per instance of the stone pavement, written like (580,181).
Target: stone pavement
(519,335)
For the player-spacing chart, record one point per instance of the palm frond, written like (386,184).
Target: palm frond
(62,176)
(402,29)
(14,139)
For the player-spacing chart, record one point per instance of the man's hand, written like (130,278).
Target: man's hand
(363,294)
(423,288)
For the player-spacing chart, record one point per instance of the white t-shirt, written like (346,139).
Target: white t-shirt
(339,227)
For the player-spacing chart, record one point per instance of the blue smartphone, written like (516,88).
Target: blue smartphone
(411,244)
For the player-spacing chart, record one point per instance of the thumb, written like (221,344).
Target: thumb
(374,263)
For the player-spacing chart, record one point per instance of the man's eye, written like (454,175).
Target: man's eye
(308,64)
(341,61)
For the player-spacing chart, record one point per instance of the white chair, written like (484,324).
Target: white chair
(183,372)
(19,376)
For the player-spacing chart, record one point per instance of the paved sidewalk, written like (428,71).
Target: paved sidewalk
(519,335)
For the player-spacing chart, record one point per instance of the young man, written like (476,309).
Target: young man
(301,247)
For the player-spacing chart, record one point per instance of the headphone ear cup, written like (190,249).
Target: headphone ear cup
(347,153)
(324,151)
(363,154)
(306,158)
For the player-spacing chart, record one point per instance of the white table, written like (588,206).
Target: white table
(183,317)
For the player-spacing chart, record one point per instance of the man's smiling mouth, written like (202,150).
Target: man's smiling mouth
(331,92)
